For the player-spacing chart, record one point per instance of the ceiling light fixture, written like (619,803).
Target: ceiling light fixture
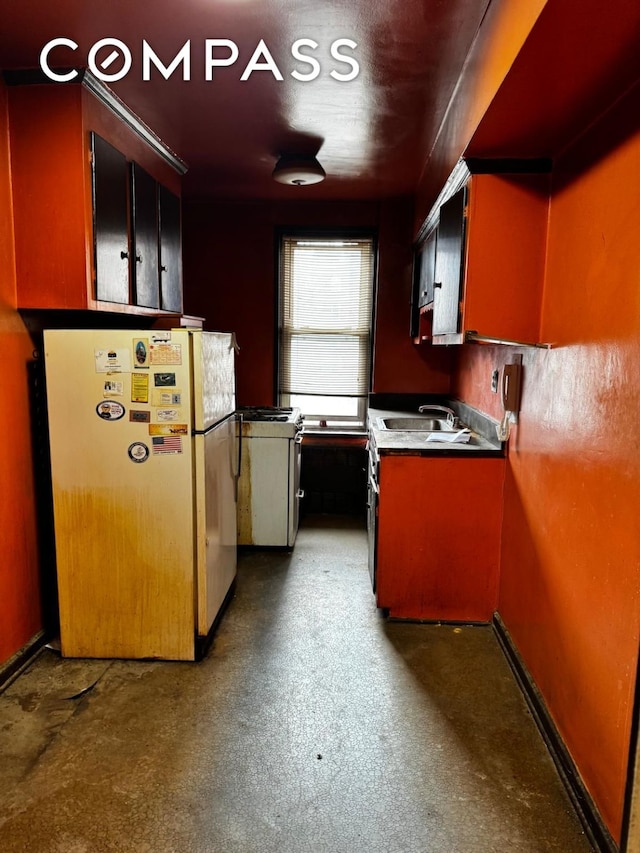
(298,171)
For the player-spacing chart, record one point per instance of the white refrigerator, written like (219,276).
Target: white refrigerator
(145,466)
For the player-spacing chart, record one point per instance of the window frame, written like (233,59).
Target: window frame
(356,423)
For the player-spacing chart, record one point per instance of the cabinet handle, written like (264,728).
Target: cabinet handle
(437,284)
(138,258)
(163,268)
(124,255)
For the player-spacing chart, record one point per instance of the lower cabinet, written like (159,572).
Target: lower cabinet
(438,537)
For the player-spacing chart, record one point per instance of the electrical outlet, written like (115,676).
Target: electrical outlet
(494,380)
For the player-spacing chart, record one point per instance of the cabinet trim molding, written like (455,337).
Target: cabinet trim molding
(110,100)
(456,180)
(475,338)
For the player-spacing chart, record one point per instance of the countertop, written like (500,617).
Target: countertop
(483,442)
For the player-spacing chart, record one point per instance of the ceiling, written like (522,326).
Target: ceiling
(372,134)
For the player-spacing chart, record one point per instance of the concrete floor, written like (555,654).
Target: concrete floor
(313,725)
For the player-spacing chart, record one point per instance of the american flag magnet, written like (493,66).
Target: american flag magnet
(166,444)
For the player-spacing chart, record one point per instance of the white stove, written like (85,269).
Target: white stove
(269,487)
(272,421)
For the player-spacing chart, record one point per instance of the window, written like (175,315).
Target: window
(326,302)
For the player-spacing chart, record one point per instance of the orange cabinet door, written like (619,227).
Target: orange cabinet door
(439,526)
(490,259)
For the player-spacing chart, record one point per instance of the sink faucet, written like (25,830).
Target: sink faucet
(452,418)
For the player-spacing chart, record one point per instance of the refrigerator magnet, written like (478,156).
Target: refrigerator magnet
(164,380)
(165,353)
(141,353)
(168,429)
(166,398)
(113,388)
(166,444)
(112,360)
(138,452)
(110,410)
(166,415)
(139,417)
(139,387)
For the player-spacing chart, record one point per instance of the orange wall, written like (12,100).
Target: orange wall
(20,614)
(570,576)
(232,285)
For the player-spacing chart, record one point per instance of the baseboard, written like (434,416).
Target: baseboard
(593,825)
(14,666)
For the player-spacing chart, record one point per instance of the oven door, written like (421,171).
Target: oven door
(295,492)
(372,525)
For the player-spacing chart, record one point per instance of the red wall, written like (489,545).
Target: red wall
(229,271)
(570,575)
(20,615)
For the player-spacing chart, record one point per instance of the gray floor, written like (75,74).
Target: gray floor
(313,725)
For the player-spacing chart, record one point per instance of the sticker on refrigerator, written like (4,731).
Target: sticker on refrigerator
(166,444)
(167,415)
(168,429)
(165,353)
(113,388)
(166,398)
(141,353)
(110,410)
(139,387)
(164,380)
(112,360)
(139,417)
(138,452)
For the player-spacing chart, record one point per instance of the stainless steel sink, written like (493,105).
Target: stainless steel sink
(416,424)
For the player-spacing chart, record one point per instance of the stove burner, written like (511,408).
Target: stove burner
(266,413)
(262,416)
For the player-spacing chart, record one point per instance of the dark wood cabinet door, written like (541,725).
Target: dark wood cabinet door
(144,238)
(414,309)
(424,270)
(110,231)
(449,265)
(170,251)
(427,270)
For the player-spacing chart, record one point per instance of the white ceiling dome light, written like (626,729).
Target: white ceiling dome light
(298,171)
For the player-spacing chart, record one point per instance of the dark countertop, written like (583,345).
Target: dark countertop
(483,443)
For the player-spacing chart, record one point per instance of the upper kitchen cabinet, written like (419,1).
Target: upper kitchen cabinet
(170,251)
(87,178)
(490,259)
(449,265)
(422,294)
(110,221)
(426,269)
(144,239)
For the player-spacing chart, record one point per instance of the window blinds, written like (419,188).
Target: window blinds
(326,296)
